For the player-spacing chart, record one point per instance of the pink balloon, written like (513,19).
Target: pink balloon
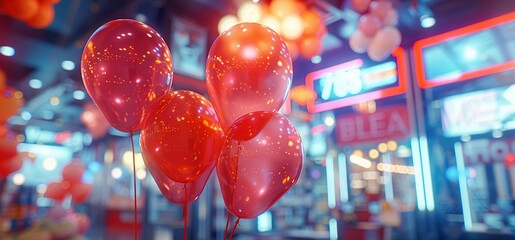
(80,192)
(82,222)
(359,42)
(248,69)
(383,43)
(391,18)
(260,161)
(126,66)
(94,121)
(380,8)
(360,5)
(73,172)
(174,191)
(369,24)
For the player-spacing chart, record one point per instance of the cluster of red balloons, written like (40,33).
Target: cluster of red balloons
(70,185)
(59,223)
(376,33)
(36,13)
(11,100)
(127,70)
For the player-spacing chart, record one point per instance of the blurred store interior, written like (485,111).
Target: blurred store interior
(405,110)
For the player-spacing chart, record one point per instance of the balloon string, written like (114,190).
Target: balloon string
(227,225)
(134,185)
(234,228)
(185,208)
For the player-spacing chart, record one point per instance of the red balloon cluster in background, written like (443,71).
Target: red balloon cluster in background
(376,33)
(36,13)
(10,160)
(70,185)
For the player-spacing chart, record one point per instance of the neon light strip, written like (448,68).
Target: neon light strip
(419,182)
(388,188)
(348,101)
(329,169)
(333,229)
(471,29)
(426,167)
(342,174)
(462,179)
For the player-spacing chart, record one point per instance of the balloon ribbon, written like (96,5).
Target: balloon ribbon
(134,185)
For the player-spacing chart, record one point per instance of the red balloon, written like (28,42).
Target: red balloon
(56,191)
(360,5)
(174,191)
(43,18)
(8,166)
(8,148)
(310,47)
(126,66)
(22,10)
(261,160)
(80,192)
(248,69)
(73,172)
(369,24)
(182,136)
(11,100)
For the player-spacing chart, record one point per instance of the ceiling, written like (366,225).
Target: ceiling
(40,53)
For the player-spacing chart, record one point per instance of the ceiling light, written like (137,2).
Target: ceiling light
(116,173)
(18,179)
(54,100)
(427,21)
(316,59)
(7,51)
(68,65)
(26,115)
(35,83)
(141,17)
(79,95)
(470,53)
(227,22)
(49,164)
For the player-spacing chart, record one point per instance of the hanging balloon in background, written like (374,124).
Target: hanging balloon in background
(182,136)
(291,19)
(11,100)
(376,33)
(71,184)
(126,66)
(249,69)
(261,159)
(94,121)
(36,13)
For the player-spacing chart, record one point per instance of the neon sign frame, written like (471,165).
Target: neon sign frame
(313,107)
(423,82)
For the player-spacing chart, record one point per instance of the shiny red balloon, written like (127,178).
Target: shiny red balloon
(261,160)
(126,66)
(174,191)
(182,136)
(56,191)
(248,69)
(80,192)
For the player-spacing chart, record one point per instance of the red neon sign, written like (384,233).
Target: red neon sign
(400,88)
(418,47)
